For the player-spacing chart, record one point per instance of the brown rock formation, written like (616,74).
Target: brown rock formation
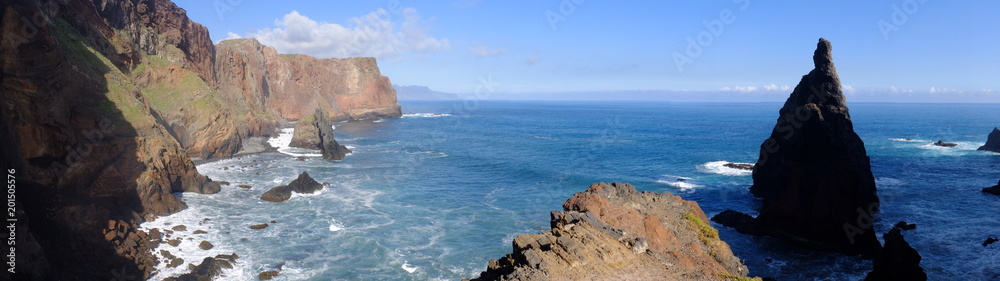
(316,132)
(296,85)
(613,232)
(302,184)
(814,174)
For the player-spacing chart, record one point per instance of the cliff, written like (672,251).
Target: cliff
(613,232)
(296,85)
(103,103)
(814,174)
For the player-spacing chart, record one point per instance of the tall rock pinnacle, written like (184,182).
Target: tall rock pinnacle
(814,174)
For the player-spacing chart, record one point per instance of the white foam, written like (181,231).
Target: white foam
(962,148)
(684,183)
(545,138)
(425,115)
(719,167)
(334,226)
(907,140)
(282,141)
(409,268)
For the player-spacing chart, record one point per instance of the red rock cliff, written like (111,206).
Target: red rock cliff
(295,85)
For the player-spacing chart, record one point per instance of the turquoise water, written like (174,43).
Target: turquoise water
(429,197)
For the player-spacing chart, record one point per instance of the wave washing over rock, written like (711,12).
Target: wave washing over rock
(613,232)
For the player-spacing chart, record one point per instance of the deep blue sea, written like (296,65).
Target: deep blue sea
(438,193)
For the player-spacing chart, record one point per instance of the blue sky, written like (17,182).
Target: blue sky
(903,50)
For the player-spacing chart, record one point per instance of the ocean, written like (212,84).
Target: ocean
(438,193)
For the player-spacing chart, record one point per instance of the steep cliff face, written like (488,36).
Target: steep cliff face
(613,232)
(93,161)
(814,174)
(296,85)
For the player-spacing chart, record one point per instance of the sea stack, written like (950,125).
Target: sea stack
(992,141)
(316,132)
(814,174)
(898,261)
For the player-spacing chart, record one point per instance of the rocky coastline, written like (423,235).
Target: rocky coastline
(105,103)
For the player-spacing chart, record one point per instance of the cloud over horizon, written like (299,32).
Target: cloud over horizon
(378,34)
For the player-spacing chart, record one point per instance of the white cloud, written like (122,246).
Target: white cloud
(773,87)
(378,34)
(231,35)
(750,89)
(848,89)
(483,51)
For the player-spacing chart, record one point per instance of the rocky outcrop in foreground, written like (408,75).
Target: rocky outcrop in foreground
(613,232)
(814,174)
(992,141)
(303,184)
(897,261)
(316,132)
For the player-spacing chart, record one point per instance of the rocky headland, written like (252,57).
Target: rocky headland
(992,141)
(613,232)
(105,103)
(814,175)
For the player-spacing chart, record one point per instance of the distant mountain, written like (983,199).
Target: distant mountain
(421,93)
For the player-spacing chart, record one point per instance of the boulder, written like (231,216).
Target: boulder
(897,261)
(316,132)
(208,270)
(267,275)
(205,245)
(302,184)
(740,166)
(941,143)
(995,190)
(259,226)
(277,194)
(992,141)
(990,240)
(813,173)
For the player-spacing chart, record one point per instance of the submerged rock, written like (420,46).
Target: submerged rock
(267,275)
(814,174)
(740,166)
(613,232)
(990,240)
(897,261)
(905,226)
(941,143)
(992,141)
(316,132)
(302,184)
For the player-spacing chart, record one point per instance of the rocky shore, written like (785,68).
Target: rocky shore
(613,232)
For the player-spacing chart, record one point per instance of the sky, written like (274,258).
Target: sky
(894,50)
